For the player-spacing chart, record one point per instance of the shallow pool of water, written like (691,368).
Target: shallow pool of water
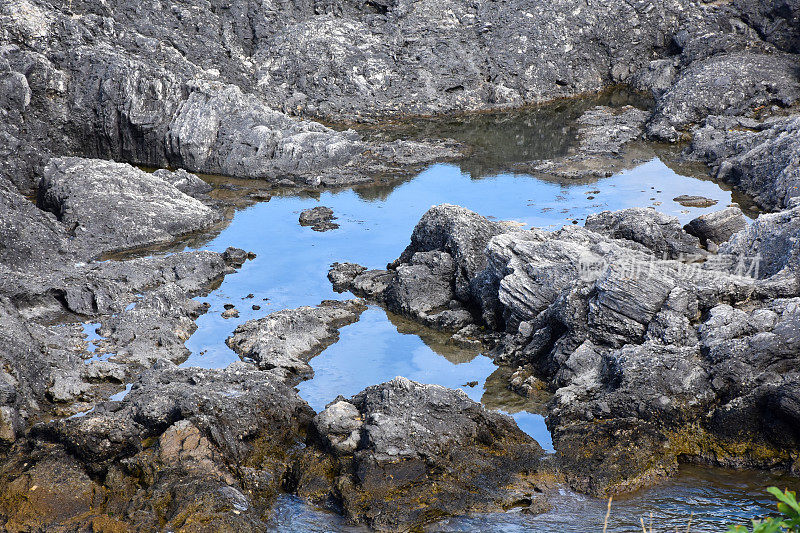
(699,500)
(375,225)
(292,263)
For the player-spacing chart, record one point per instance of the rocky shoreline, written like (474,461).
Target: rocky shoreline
(660,343)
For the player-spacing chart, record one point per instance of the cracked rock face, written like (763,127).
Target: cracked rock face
(650,357)
(759,159)
(617,317)
(405,454)
(185,447)
(725,84)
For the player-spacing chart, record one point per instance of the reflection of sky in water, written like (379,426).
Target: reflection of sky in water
(293,261)
(291,269)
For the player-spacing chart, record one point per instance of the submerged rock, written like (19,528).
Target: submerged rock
(320,218)
(688,200)
(404,454)
(604,140)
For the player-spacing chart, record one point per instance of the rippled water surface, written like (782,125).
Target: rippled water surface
(375,225)
(698,499)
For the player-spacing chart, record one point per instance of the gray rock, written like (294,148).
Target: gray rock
(340,424)
(110,206)
(638,339)
(29,236)
(660,233)
(404,438)
(688,200)
(185,182)
(287,340)
(760,162)
(731,84)
(341,275)
(773,240)
(717,227)
(603,130)
(656,77)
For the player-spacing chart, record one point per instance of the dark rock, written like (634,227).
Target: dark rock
(203,439)
(320,218)
(409,454)
(717,227)
(236,257)
(687,200)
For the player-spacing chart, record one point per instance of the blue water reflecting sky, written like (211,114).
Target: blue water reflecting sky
(293,261)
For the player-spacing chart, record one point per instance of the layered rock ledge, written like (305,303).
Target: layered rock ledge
(657,349)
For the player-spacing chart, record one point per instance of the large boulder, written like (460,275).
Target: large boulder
(408,454)
(717,227)
(111,206)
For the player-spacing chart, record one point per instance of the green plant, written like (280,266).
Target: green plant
(788,522)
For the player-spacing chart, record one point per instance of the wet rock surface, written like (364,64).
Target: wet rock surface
(404,454)
(188,448)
